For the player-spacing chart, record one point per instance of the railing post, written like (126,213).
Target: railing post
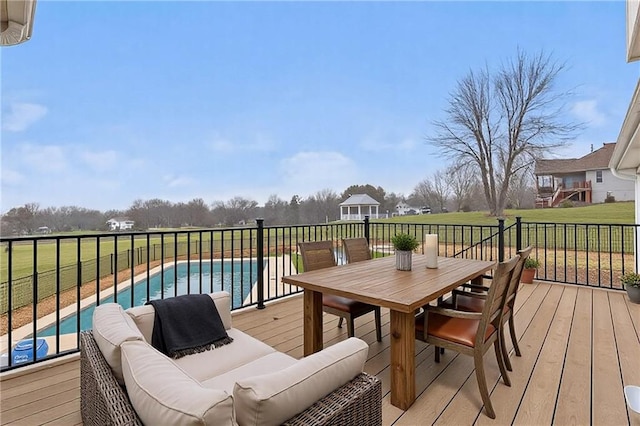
(518,233)
(260,249)
(500,240)
(366,228)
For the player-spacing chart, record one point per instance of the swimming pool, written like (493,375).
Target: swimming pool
(236,277)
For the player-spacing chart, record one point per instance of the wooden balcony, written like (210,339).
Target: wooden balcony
(580,347)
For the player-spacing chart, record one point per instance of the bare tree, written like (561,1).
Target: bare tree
(440,190)
(463,180)
(432,192)
(501,122)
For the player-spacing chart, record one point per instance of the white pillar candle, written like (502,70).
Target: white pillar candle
(431,250)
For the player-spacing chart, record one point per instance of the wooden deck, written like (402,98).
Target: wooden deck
(580,347)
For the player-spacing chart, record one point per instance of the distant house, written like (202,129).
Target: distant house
(404,209)
(587,179)
(44,230)
(120,224)
(357,206)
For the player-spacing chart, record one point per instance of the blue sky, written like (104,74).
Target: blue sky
(114,101)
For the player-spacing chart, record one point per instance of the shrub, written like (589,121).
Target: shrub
(404,242)
(566,204)
(630,279)
(531,263)
(610,199)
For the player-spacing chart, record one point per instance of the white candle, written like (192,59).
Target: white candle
(431,250)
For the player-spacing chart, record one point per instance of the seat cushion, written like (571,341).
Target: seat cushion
(344,304)
(163,394)
(244,349)
(111,327)
(273,362)
(144,315)
(270,399)
(458,330)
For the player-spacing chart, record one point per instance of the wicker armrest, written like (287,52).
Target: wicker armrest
(358,402)
(102,400)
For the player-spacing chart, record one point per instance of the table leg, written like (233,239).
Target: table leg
(312,322)
(403,371)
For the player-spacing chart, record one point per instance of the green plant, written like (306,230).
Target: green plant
(531,263)
(404,242)
(630,279)
(566,204)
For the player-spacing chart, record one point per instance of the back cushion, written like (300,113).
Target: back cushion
(111,327)
(144,315)
(163,394)
(270,399)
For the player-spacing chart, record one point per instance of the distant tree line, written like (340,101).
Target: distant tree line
(454,189)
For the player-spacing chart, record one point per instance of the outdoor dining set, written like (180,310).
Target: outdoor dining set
(450,307)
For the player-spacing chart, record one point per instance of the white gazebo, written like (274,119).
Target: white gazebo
(357,206)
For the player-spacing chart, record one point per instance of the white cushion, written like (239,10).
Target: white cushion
(163,394)
(111,327)
(270,399)
(144,315)
(267,364)
(211,363)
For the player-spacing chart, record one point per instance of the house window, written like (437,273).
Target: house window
(598,176)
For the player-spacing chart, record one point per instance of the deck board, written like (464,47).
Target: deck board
(561,377)
(572,406)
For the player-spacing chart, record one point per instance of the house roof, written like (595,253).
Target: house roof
(360,200)
(120,219)
(626,155)
(596,160)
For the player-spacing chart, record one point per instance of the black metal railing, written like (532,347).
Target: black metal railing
(49,284)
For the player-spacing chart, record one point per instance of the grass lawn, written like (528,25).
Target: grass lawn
(23,256)
(611,213)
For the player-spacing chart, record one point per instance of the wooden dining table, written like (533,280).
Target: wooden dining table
(377,282)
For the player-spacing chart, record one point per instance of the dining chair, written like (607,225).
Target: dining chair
(471,333)
(357,250)
(319,254)
(473,301)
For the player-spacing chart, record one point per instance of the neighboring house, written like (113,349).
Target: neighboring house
(404,209)
(587,179)
(44,230)
(625,161)
(120,224)
(357,206)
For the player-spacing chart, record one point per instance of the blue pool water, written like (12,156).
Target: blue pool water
(236,277)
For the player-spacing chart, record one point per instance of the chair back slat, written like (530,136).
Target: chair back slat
(316,255)
(356,249)
(512,291)
(494,302)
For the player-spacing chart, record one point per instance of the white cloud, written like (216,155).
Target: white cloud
(44,157)
(376,145)
(22,115)
(11,177)
(100,161)
(177,181)
(312,171)
(587,111)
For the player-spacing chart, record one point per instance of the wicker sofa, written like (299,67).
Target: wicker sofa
(108,399)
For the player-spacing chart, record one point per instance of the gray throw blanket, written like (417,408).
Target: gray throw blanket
(186,325)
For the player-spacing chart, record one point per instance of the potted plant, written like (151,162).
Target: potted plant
(404,244)
(631,283)
(529,270)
